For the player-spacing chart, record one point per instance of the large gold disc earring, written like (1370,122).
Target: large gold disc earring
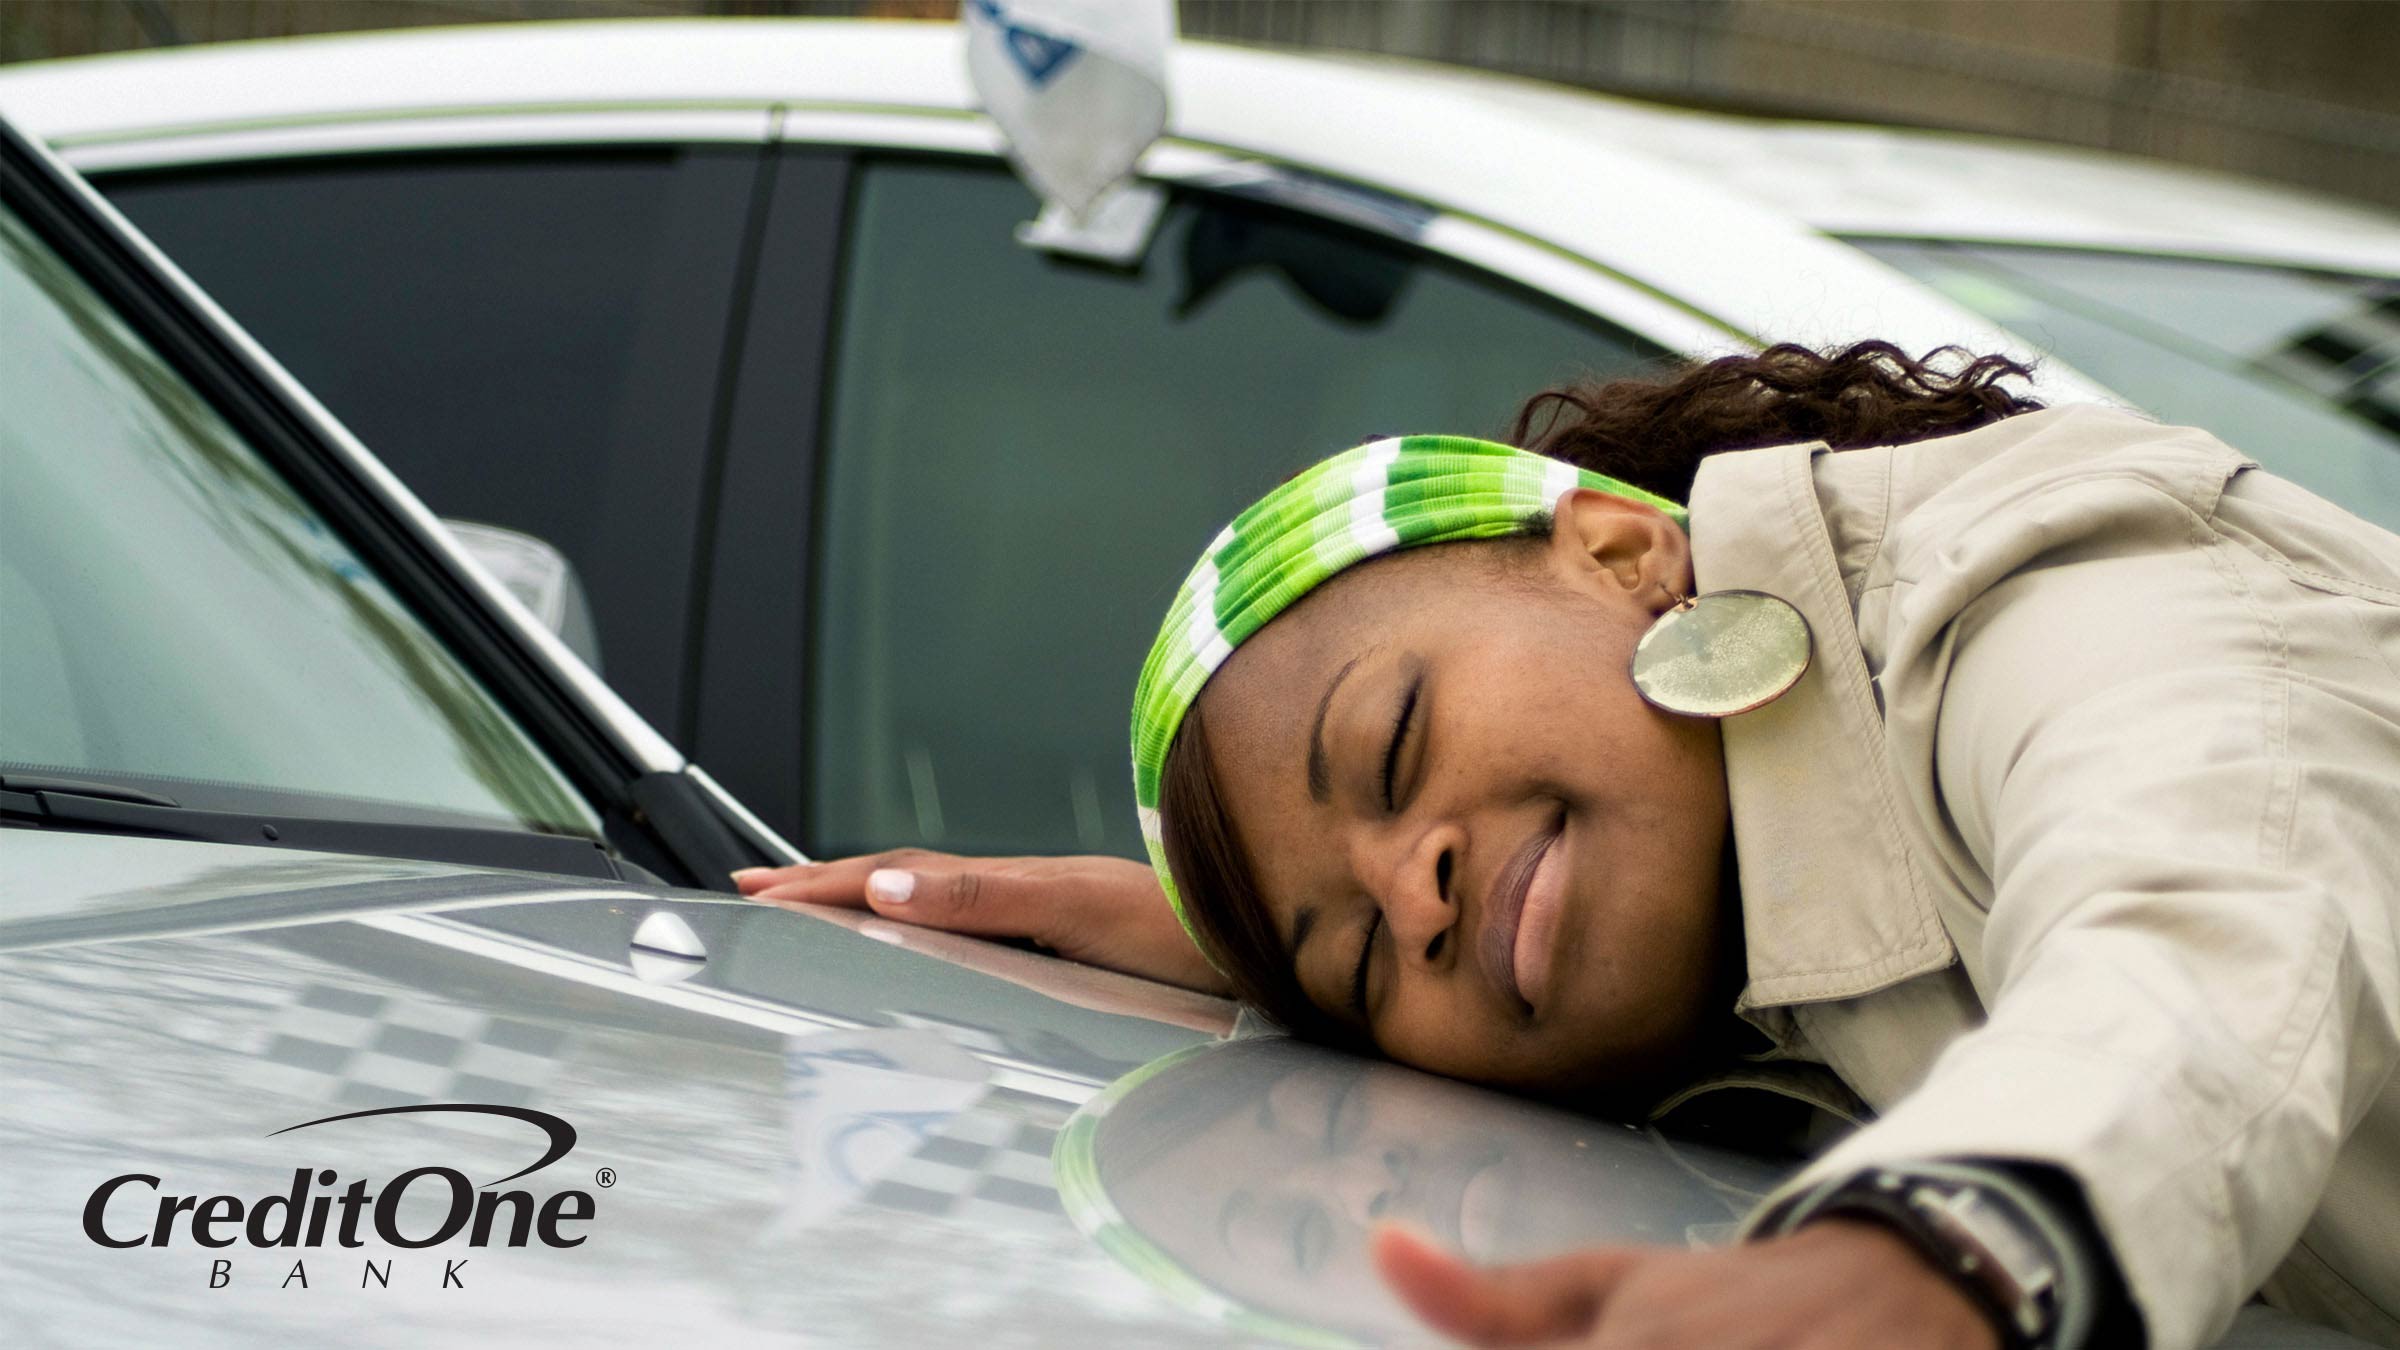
(1721,653)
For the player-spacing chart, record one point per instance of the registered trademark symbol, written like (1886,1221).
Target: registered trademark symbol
(606,1176)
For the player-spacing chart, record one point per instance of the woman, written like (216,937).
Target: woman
(2072,852)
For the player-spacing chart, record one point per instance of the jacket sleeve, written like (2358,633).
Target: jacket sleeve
(2176,754)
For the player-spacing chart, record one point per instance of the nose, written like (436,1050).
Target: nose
(1369,1186)
(1418,891)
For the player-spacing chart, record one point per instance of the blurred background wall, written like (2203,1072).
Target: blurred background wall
(2298,90)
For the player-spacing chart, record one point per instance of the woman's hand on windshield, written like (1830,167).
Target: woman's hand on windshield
(1102,911)
(1836,1284)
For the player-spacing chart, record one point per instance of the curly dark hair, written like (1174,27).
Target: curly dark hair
(1651,431)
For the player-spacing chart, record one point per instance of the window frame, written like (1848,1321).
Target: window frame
(757,564)
(1589,285)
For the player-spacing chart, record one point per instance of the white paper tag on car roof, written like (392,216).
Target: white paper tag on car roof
(1078,86)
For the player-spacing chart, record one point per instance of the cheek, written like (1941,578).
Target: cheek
(1650,957)
(1556,698)
(1434,1026)
(1650,965)
(1442,1030)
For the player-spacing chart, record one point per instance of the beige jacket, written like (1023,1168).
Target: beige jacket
(2080,841)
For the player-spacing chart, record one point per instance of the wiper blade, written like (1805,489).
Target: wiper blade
(60,803)
(81,787)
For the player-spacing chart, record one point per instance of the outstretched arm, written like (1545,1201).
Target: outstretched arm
(1102,911)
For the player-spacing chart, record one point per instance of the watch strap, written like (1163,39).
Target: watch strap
(2001,1242)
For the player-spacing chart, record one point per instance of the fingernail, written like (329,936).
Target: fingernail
(740,872)
(891,886)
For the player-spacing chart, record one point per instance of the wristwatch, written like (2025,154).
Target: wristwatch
(1997,1240)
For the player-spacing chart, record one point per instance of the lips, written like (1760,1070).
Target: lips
(1501,946)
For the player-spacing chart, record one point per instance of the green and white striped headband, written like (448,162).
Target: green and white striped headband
(1378,498)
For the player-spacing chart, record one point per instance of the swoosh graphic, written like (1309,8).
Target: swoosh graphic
(562,1135)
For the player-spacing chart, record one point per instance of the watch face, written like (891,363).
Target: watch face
(1989,1246)
(1980,1236)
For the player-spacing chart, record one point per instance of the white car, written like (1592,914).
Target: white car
(876,507)
(358,985)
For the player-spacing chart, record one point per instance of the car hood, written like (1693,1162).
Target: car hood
(783,1126)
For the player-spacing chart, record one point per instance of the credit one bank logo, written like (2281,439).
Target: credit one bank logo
(320,1209)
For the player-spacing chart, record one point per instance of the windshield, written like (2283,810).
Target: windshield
(2298,369)
(171,611)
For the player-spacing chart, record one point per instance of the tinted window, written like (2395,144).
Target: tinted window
(2300,370)
(171,610)
(1025,455)
(529,340)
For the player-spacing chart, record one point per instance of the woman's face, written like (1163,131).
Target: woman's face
(1477,842)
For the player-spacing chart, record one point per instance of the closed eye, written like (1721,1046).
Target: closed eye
(1358,976)
(1391,751)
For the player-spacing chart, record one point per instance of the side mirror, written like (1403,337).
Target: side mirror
(541,579)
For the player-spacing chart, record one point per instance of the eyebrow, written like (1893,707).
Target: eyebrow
(1320,770)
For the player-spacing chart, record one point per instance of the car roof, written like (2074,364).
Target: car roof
(1909,182)
(1753,272)
(1840,179)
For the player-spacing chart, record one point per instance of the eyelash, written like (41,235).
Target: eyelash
(1358,976)
(1391,763)
(1391,752)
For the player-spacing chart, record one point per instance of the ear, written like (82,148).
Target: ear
(1623,547)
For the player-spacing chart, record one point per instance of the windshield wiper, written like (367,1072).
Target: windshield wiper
(107,808)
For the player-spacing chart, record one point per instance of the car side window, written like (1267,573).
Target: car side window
(1023,455)
(2298,368)
(528,339)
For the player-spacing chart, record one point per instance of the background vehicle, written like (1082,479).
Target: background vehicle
(731,313)
(2258,311)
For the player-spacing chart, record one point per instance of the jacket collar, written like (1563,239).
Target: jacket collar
(1833,903)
